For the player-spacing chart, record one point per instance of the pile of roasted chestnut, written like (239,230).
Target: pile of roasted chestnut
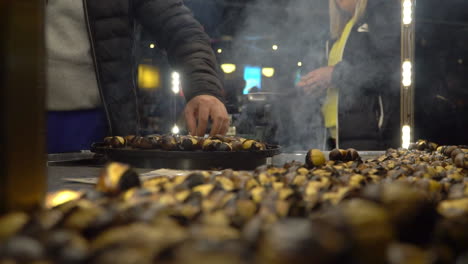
(407,206)
(185,143)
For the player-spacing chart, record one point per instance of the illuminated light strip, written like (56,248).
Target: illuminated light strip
(175,82)
(407,12)
(406,138)
(407,73)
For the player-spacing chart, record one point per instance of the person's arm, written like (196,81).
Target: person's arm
(189,51)
(186,43)
(384,36)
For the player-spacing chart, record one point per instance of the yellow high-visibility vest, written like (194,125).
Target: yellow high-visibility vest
(330,107)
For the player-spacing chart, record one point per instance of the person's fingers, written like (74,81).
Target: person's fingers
(216,122)
(225,126)
(203,115)
(306,77)
(310,74)
(310,85)
(305,80)
(190,118)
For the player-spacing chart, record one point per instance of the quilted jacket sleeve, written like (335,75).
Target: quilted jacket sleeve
(187,45)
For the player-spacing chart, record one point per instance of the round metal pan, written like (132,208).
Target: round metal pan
(187,160)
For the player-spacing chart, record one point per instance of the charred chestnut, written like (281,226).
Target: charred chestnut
(142,143)
(335,155)
(223,146)
(155,140)
(169,143)
(236,145)
(188,143)
(351,155)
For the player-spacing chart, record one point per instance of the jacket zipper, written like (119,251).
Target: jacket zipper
(93,51)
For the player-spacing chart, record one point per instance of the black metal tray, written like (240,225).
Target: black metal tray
(187,160)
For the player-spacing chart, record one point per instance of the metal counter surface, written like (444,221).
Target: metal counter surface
(82,165)
(283,158)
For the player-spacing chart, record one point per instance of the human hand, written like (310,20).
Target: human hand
(317,81)
(200,109)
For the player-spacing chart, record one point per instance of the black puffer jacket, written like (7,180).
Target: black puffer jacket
(368,79)
(112,28)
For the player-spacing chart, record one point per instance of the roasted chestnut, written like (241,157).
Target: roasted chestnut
(142,143)
(188,143)
(129,140)
(211,144)
(336,155)
(169,143)
(223,146)
(155,140)
(236,145)
(315,158)
(351,155)
(116,178)
(115,142)
(250,144)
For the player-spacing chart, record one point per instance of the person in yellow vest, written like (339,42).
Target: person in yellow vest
(361,81)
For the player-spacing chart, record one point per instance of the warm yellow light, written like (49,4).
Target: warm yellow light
(275,47)
(406,136)
(220,51)
(148,77)
(299,64)
(152,46)
(407,73)
(228,68)
(268,72)
(61,197)
(407,12)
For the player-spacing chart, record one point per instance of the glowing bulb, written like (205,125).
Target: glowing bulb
(407,12)
(406,136)
(275,47)
(299,64)
(268,72)
(228,68)
(175,130)
(152,46)
(407,73)
(175,82)
(220,51)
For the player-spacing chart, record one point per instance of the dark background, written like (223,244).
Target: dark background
(441,104)
(246,30)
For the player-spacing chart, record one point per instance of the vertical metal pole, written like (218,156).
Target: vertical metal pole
(407,68)
(22,105)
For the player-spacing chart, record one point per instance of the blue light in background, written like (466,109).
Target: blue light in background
(252,77)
